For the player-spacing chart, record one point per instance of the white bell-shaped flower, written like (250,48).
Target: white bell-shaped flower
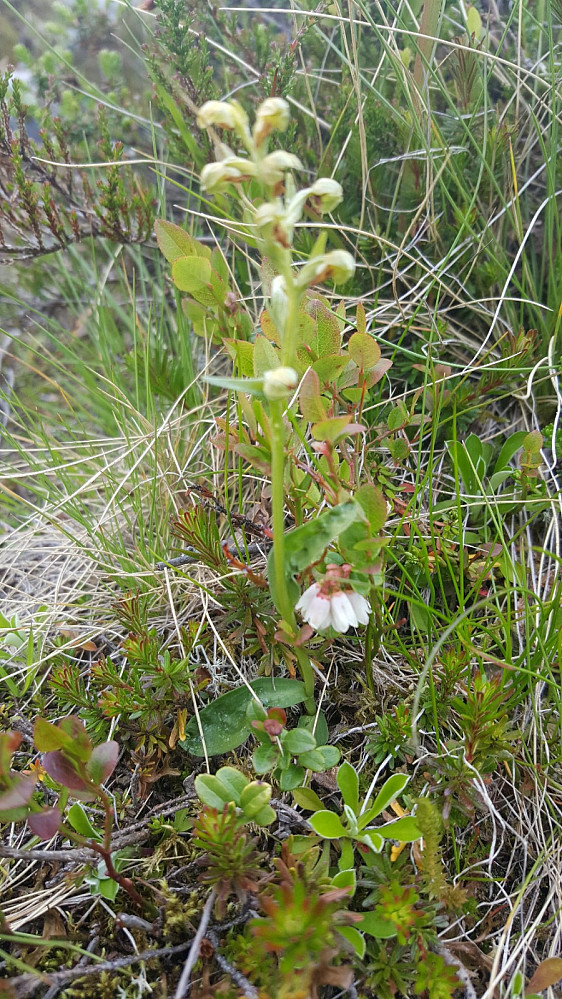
(323,606)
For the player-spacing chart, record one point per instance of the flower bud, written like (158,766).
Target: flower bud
(327,194)
(337,266)
(271,219)
(279,383)
(272,115)
(279,303)
(274,165)
(223,114)
(216,177)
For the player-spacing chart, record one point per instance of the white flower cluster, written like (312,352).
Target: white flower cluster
(323,607)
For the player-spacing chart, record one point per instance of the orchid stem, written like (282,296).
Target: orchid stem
(283,600)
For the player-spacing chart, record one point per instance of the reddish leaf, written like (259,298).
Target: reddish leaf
(45,823)
(374,374)
(548,973)
(13,740)
(272,727)
(279,714)
(63,771)
(9,742)
(19,793)
(103,761)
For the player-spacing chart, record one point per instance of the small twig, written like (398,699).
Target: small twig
(132,922)
(78,855)
(183,983)
(237,977)
(192,555)
(26,985)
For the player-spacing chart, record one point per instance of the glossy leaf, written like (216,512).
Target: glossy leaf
(313,760)
(224,722)
(81,824)
(298,740)
(265,757)
(373,840)
(512,445)
(316,724)
(211,792)
(331,756)
(103,761)
(77,741)
(226,785)
(372,501)
(19,792)
(346,878)
(291,777)
(254,797)
(306,545)
(47,736)
(63,771)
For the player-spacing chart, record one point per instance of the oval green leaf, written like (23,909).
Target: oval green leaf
(224,722)
(327,824)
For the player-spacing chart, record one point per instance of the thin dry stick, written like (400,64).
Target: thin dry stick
(183,983)
(26,985)
(237,977)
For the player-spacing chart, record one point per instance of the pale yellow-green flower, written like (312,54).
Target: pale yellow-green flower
(216,177)
(328,194)
(275,165)
(272,116)
(337,266)
(279,383)
(223,114)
